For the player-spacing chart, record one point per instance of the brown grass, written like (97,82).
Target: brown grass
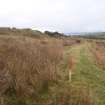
(71,62)
(29,73)
(28,64)
(70,41)
(98,50)
(71,95)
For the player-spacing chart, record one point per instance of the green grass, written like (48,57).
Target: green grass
(88,74)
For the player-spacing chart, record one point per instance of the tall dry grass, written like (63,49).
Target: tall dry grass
(98,50)
(71,41)
(29,73)
(28,65)
(72,95)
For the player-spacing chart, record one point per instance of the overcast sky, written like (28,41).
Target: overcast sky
(56,15)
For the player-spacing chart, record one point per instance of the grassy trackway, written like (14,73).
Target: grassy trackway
(88,73)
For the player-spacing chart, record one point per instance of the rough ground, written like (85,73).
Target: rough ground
(88,73)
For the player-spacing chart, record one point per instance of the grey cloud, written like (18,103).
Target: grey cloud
(59,15)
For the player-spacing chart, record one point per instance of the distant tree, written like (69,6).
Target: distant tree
(54,34)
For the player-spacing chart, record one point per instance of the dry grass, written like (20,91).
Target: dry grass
(98,50)
(71,95)
(70,41)
(29,70)
(28,65)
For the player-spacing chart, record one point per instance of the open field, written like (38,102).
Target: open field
(46,70)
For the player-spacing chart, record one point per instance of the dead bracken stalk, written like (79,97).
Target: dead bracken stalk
(71,65)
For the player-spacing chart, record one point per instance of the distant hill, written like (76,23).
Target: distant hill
(92,35)
(73,33)
(24,32)
(29,32)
